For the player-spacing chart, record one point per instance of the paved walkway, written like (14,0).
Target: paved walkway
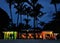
(29,41)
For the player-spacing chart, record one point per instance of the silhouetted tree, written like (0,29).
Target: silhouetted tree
(35,11)
(21,11)
(10,2)
(19,7)
(55,2)
(4,20)
(55,24)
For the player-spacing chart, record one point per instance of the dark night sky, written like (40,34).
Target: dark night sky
(48,8)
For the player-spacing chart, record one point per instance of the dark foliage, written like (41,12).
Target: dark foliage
(54,25)
(10,2)
(4,19)
(55,2)
(33,11)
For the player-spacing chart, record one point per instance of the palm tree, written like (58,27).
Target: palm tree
(55,2)
(20,9)
(10,2)
(17,7)
(35,12)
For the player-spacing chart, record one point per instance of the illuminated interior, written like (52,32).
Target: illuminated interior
(47,34)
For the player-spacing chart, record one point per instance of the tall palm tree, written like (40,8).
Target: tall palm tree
(35,12)
(55,2)
(20,9)
(17,7)
(10,2)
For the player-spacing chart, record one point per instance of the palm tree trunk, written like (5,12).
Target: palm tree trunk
(18,16)
(27,26)
(21,15)
(27,19)
(55,8)
(34,26)
(34,22)
(11,13)
(18,19)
